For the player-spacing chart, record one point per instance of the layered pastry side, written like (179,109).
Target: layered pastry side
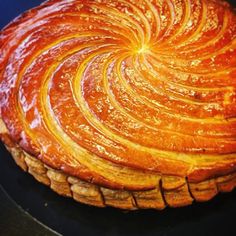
(130,104)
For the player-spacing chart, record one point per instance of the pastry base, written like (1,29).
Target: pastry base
(171,191)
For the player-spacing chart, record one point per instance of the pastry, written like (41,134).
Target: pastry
(130,104)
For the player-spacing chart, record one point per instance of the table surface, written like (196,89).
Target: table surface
(29,208)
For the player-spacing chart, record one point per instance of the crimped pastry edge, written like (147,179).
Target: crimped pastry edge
(182,193)
(172,191)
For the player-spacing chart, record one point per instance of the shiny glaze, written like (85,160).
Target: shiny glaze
(93,87)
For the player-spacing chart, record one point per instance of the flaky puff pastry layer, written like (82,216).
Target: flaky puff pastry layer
(123,96)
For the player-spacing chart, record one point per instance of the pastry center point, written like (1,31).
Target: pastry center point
(143,49)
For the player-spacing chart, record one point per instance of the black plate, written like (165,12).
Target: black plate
(68,217)
(29,208)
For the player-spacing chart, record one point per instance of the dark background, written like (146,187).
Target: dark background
(29,208)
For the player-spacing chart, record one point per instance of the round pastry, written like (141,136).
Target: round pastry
(130,104)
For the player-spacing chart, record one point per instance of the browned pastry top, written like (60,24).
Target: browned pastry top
(121,92)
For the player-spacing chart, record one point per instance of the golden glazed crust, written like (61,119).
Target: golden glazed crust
(123,103)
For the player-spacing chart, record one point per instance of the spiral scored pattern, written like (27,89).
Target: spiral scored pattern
(120,92)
